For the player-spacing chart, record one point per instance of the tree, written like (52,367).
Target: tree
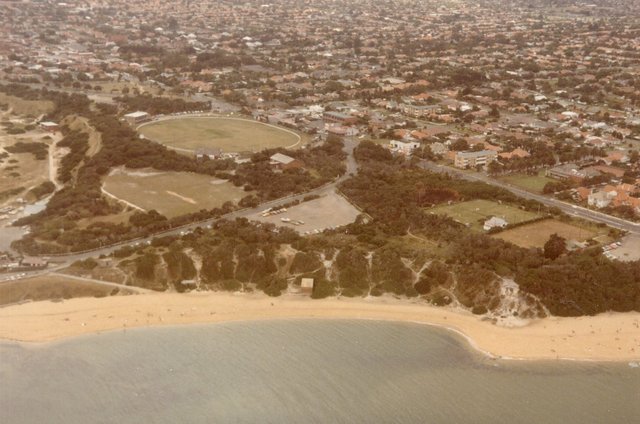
(494,113)
(555,246)
(495,167)
(460,145)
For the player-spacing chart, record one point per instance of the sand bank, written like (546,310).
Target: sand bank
(606,337)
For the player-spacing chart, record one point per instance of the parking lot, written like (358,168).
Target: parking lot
(314,216)
(628,251)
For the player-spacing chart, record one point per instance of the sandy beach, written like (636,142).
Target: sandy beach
(606,337)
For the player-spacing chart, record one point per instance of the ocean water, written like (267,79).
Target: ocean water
(304,371)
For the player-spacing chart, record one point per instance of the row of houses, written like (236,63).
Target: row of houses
(576,173)
(611,196)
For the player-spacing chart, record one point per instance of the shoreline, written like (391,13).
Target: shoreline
(609,337)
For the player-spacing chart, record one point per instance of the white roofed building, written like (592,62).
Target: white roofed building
(136,117)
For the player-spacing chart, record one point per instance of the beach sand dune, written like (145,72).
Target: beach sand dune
(606,337)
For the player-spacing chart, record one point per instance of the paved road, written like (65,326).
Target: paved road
(568,208)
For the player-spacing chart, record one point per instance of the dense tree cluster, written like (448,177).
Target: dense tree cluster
(259,175)
(584,283)
(41,190)
(39,150)
(238,253)
(156,105)
(78,143)
(180,266)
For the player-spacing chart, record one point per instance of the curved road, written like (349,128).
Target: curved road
(568,208)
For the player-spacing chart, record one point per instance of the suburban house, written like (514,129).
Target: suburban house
(620,195)
(601,199)
(473,159)
(283,162)
(403,147)
(616,157)
(494,222)
(516,153)
(138,117)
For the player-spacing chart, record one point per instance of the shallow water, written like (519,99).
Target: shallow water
(299,372)
(9,234)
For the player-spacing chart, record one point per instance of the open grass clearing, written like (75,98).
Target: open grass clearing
(22,169)
(170,193)
(537,234)
(48,287)
(32,108)
(118,218)
(475,212)
(27,172)
(231,135)
(331,210)
(533,183)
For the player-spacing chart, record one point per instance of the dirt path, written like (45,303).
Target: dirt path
(78,123)
(113,196)
(54,159)
(101,282)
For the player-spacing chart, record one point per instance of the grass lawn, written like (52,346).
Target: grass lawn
(533,183)
(22,169)
(119,218)
(473,213)
(48,287)
(171,193)
(229,134)
(536,234)
(27,107)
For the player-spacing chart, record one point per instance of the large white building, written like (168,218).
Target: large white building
(136,117)
(473,159)
(404,147)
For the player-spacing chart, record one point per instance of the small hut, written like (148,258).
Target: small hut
(306,285)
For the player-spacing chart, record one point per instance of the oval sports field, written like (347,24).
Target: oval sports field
(231,135)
